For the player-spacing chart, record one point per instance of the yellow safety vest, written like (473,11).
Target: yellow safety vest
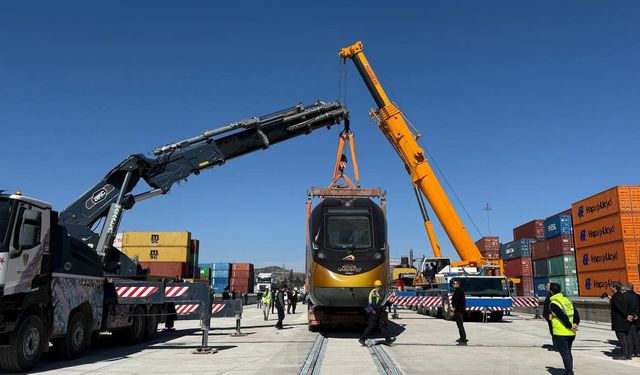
(267,298)
(374,295)
(558,328)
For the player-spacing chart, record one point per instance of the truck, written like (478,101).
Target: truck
(485,293)
(62,280)
(263,282)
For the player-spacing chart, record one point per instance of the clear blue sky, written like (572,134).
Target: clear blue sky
(527,106)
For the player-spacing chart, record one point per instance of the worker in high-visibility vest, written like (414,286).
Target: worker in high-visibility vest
(564,322)
(377,316)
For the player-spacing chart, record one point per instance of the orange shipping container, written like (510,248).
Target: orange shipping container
(593,284)
(607,229)
(612,255)
(615,200)
(241,275)
(242,266)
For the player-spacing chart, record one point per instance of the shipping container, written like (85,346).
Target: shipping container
(612,201)
(540,268)
(558,225)
(218,273)
(159,254)
(241,275)
(242,267)
(516,249)
(593,284)
(612,255)
(568,284)
(563,265)
(610,228)
(540,286)
(172,239)
(539,250)
(205,265)
(222,266)
(491,255)
(525,286)
(168,269)
(518,267)
(205,272)
(532,229)
(560,245)
(220,281)
(488,243)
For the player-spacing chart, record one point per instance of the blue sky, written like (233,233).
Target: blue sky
(527,106)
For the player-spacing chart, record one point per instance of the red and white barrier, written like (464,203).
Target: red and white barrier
(135,291)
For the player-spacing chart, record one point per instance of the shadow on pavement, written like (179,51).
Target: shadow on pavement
(555,370)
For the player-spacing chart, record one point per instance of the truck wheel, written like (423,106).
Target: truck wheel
(496,316)
(446,310)
(72,345)
(151,324)
(25,346)
(137,329)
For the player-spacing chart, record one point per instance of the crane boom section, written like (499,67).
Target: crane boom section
(393,125)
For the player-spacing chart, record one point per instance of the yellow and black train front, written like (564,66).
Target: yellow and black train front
(346,252)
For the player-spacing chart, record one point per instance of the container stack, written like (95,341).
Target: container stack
(517,264)
(165,254)
(220,273)
(489,247)
(607,238)
(554,257)
(242,278)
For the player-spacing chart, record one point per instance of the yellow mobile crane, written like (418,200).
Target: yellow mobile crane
(471,268)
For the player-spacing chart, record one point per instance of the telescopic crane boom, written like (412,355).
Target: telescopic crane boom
(391,122)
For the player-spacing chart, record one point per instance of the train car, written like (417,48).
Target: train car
(346,253)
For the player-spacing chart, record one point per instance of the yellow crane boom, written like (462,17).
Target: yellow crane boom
(391,122)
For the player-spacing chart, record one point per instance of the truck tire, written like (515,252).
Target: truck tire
(446,309)
(496,316)
(25,346)
(133,334)
(73,344)
(151,323)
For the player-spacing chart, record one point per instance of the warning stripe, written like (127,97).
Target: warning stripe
(217,308)
(186,309)
(175,291)
(135,291)
(525,301)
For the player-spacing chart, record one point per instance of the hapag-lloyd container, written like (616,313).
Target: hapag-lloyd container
(563,265)
(611,255)
(540,286)
(610,228)
(617,199)
(532,229)
(558,225)
(540,268)
(518,267)
(593,284)
(516,249)
(568,284)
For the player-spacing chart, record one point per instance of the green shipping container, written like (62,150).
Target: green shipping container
(563,265)
(205,272)
(569,284)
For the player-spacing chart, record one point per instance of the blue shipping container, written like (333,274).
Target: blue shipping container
(220,281)
(516,249)
(205,265)
(220,274)
(221,266)
(540,286)
(558,225)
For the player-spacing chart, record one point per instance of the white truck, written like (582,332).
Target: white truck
(263,282)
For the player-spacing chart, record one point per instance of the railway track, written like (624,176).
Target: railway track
(327,351)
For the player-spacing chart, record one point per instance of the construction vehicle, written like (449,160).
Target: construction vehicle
(347,249)
(484,293)
(63,283)
(264,281)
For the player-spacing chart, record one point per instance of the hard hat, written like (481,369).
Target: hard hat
(377,283)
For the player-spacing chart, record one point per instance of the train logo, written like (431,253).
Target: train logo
(349,257)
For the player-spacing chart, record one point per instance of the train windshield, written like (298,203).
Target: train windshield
(485,286)
(348,232)
(5,214)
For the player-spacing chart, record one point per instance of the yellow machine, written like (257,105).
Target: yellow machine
(392,123)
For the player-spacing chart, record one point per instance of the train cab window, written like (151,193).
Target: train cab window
(345,232)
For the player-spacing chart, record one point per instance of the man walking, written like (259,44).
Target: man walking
(279,304)
(546,311)
(266,304)
(458,307)
(377,316)
(564,321)
(633,305)
(619,322)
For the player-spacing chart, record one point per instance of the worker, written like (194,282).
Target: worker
(377,316)
(546,311)
(266,303)
(279,304)
(458,307)
(619,322)
(565,320)
(631,298)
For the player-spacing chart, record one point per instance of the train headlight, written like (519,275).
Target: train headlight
(321,255)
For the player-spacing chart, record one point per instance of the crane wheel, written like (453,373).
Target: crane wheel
(25,346)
